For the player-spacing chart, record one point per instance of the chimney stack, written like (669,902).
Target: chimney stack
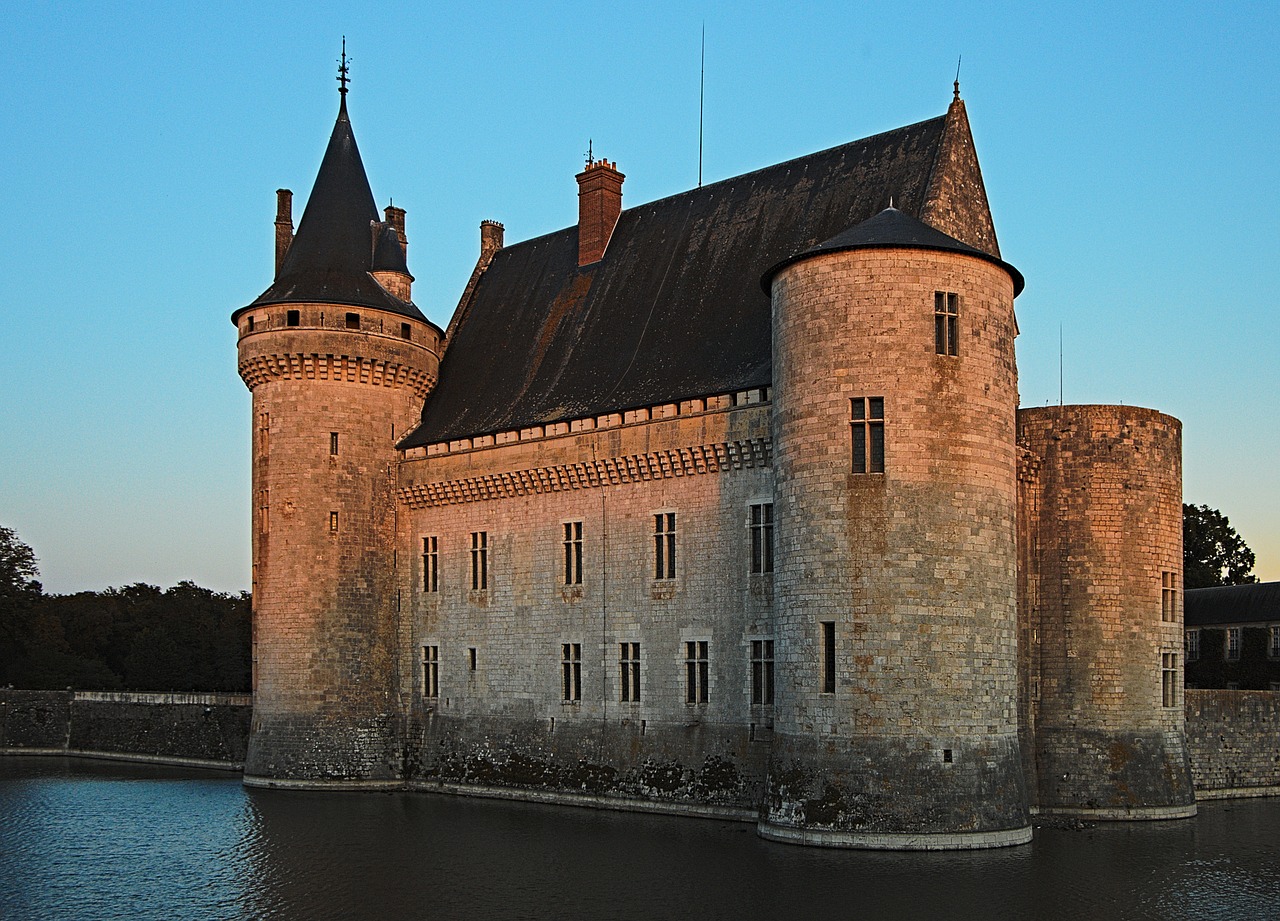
(284,225)
(395,217)
(490,238)
(599,204)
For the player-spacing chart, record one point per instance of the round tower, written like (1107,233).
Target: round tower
(895,395)
(1100,547)
(339,361)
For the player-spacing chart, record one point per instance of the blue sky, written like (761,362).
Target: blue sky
(1129,153)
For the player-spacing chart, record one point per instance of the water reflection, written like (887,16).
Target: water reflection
(84,840)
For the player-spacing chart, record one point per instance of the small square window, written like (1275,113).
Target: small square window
(249,325)
(292,318)
(353,321)
(406,331)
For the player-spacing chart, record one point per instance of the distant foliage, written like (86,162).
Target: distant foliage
(136,638)
(1212,552)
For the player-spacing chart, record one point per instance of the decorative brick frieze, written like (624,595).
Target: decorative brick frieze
(612,471)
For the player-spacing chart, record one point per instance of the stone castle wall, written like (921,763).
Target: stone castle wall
(914,567)
(502,718)
(1100,542)
(1233,738)
(329,401)
(209,729)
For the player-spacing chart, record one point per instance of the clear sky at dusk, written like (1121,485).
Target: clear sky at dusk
(1130,155)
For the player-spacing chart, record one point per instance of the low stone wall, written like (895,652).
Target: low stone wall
(1233,738)
(207,729)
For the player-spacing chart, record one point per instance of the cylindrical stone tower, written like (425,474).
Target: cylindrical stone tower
(1100,546)
(339,367)
(895,395)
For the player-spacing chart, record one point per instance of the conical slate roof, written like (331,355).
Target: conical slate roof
(892,229)
(388,254)
(332,252)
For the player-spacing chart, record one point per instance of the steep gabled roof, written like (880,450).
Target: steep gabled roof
(332,252)
(674,310)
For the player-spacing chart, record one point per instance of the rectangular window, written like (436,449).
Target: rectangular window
(1273,641)
(867,424)
(571,669)
(431,671)
(1233,642)
(333,522)
(292,318)
(406,331)
(333,443)
(664,545)
(762,671)
(697,669)
(353,321)
(264,433)
(573,553)
(472,657)
(249,328)
(828,657)
(762,537)
(264,509)
(946,322)
(1169,679)
(430,565)
(629,671)
(1193,645)
(479,560)
(1168,596)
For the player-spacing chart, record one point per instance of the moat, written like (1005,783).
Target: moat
(94,840)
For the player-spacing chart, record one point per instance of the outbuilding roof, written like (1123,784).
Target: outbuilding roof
(1256,602)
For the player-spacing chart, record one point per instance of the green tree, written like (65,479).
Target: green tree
(1212,552)
(20,593)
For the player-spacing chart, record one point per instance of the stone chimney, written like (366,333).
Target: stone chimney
(284,225)
(395,217)
(491,233)
(599,204)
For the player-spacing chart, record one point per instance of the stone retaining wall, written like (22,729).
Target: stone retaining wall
(199,728)
(1233,738)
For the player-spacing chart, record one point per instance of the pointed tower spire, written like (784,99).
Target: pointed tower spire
(955,201)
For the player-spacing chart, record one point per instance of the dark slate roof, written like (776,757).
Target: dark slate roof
(388,254)
(674,310)
(1258,602)
(892,229)
(331,254)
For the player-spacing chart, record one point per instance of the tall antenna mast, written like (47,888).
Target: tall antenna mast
(702,90)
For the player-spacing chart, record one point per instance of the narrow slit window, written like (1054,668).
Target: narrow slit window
(333,522)
(664,545)
(472,657)
(828,657)
(867,431)
(479,560)
(333,444)
(431,672)
(430,564)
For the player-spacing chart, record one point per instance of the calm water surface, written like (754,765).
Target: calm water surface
(86,840)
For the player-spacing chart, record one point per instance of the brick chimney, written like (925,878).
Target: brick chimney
(395,217)
(599,204)
(284,225)
(491,234)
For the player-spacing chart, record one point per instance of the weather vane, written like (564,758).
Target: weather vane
(590,157)
(959,58)
(343,69)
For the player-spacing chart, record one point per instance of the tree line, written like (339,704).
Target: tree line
(135,638)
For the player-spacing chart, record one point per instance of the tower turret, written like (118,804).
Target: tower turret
(895,394)
(339,364)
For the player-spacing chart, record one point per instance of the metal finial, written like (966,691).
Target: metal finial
(590,158)
(890,201)
(343,69)
(959,58)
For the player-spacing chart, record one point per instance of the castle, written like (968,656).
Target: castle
(718,505)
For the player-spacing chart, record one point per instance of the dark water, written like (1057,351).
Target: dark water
(86,840)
